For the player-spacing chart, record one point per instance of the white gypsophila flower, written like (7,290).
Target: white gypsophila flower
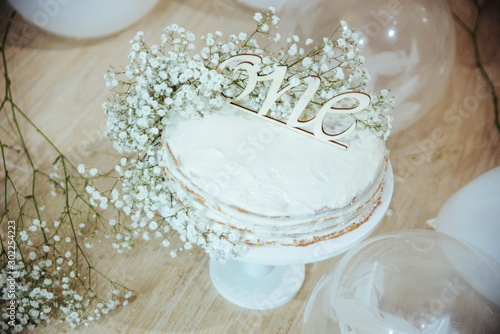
(153,225)
(90,190)
(81,168)
(307,62)
(23,235)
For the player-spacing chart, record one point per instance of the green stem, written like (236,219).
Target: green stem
(24,202)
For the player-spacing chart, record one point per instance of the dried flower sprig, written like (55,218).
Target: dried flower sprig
(45,270)
(171,80)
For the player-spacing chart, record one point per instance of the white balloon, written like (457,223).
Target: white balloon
(472,215)
(83,18)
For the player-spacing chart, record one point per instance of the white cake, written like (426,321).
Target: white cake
(272,184)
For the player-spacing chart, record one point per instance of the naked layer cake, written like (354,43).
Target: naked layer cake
(273,185)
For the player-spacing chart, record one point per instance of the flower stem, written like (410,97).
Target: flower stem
(473,34)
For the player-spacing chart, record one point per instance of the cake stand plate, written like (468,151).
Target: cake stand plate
(267,277)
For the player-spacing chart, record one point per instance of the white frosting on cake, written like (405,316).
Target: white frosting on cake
(264,169)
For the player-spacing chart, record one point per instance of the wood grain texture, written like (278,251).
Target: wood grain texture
(59,84)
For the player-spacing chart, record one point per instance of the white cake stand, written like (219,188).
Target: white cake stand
(270,276)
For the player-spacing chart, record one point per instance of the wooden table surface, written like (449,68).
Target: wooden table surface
(59,84)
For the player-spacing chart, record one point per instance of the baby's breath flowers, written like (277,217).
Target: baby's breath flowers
(45,270)
(173,80)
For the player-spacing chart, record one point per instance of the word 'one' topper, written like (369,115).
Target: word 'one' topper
(312,127)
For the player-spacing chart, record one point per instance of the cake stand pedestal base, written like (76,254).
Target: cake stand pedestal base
(256,286)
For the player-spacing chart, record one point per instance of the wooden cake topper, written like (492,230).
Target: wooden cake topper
(312,127)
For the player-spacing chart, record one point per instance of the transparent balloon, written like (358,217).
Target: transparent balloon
(412,281)
(409,45)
